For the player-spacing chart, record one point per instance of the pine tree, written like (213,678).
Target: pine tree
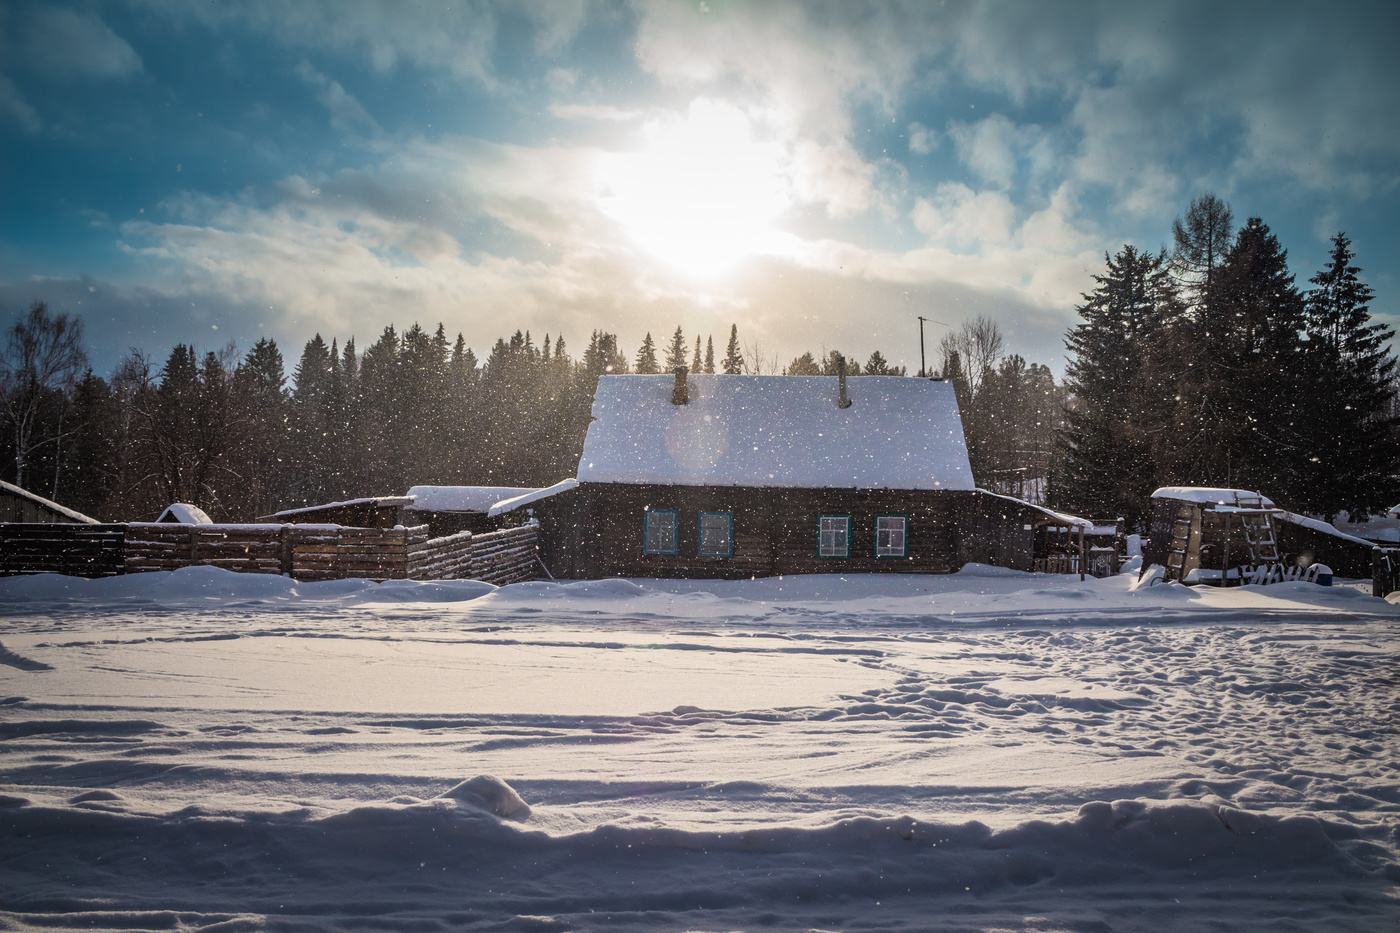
(733,356)
(1251,430)
(675,353)
(710,355)
(695,363)
(1352,439)
(645,363)
(1113,442)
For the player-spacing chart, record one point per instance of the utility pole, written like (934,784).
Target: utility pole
(923,364)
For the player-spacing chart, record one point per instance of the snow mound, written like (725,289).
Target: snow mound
(492,795)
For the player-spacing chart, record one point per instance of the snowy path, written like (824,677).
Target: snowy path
(962,753)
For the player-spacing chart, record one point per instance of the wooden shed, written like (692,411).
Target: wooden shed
(446,510)
(21,505)
(1210,534)
(739,476)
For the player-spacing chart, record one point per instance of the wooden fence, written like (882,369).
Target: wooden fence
(67,548)
(303,552)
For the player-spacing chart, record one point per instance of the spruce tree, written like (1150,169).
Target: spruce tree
(733,356)
(695,362)
(1350,434)
(1113,436)
(710,356)
(1251,330)
(645,363)
(675,353)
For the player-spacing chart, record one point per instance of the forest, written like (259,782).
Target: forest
(1202,364)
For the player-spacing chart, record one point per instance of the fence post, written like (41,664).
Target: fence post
(194,545)
(284,537)
(1380,578)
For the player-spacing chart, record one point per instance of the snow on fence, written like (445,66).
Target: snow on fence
(499,557)
(304,552)
(72,549)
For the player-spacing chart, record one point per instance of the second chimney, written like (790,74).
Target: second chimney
(680,395)
(844,401)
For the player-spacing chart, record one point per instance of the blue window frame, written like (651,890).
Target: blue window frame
(891,535)
(716,534)
(834,537)
(660,536)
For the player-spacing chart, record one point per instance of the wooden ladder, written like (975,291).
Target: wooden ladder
(1258,528)
(1180,543)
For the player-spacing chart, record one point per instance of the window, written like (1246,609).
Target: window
(716,534)
(889,535)
(835,540)
(661,531)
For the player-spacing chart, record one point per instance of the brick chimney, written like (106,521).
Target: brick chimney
(680,395)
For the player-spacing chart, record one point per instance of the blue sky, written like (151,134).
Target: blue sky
(819,174)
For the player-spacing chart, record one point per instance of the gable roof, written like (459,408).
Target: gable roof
(787,431)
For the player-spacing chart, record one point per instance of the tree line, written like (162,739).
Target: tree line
(1206,365)
(240,437)
(1199,365)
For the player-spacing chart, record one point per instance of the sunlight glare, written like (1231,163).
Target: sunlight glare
(702,194)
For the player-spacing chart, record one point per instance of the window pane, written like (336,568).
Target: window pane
(889,536)
(833,540)
(715,534)
(660,532)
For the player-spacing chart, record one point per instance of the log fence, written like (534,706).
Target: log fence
(303,552)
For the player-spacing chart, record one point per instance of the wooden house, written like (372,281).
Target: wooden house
(740,476)
(21,505)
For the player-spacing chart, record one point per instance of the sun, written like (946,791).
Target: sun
(702,194)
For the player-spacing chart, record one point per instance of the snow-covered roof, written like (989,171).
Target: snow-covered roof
(376,501)
(532,495)
(1212,495)
(898,433)
(185,514)
(48,503)
(1318,525)
(1062,517)
(463,498)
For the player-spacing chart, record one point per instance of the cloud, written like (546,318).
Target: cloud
(922,139)
(13,106)
(345,110)
(457,39)
(64,44)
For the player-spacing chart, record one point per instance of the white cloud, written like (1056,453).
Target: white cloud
(65,44)
(922,139)
(345,110)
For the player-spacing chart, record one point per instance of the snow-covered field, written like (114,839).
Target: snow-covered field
(985,751)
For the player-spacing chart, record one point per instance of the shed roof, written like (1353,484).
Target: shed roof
(48,504)
(375,502)
(462,498)
(1212,495)
(532,495)
(898,433)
